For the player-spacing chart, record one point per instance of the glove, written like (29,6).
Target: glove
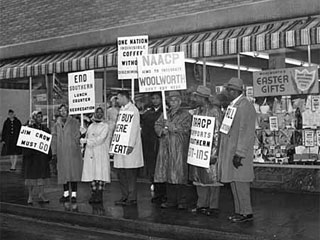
(83,130)
(129,150)
(213,159)
(237,161)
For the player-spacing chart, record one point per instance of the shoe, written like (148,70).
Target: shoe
(233,216)
(199,210)
(168,205)
(12,169)
(212,211)
(121,201)
(182,206)
(130,202)
(42,199)
(243,218)
(64,199)
(30,202)
(73,199)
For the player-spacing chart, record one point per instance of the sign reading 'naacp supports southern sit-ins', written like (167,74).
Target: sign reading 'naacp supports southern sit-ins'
(201,137)
(162,72)
(128,50)
(121,135)
(81,92)
(34,139)
(287,81)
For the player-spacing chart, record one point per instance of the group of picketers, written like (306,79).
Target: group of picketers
(160,144)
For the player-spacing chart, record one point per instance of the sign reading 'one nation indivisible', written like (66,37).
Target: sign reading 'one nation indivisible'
(81,92)
(121,135)
(201,138)
(287,81)
(128,50)
(34,139)
(162,72)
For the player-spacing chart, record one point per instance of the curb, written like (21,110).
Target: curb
(122,225)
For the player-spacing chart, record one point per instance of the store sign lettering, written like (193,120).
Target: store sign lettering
(287,81)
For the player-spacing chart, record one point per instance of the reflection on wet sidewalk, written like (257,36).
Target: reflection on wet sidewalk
(276,215)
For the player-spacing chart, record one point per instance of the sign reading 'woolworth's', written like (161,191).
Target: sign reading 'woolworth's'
(201,137)
(121,135)
(81,92)
(34,139)
(162,72)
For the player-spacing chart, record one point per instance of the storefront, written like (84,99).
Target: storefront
(212,57)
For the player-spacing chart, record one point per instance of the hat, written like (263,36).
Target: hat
(235,83)
(203,91)
(174,94)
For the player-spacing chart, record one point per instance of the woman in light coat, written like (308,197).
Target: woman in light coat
(96,164)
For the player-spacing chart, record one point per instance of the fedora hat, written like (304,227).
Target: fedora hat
(174,94)
(203,91)
(235,83)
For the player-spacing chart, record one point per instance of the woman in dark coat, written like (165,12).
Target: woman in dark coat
(10,134)
(36,165)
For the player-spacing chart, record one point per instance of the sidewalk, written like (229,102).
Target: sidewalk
(276,215)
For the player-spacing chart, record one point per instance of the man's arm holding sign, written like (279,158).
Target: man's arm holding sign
(135,131)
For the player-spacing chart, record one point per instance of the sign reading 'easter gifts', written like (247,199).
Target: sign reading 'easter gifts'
(34,139)
(287,81)
(121,135)
(81,92)
(201,138)
(162,72)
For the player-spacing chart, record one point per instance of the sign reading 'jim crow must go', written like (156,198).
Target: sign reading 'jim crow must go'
(34,139)
(287,81)
(81,92)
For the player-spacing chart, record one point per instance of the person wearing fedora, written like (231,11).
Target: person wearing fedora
(236,149)
(171,165)
(205,180)
(96,163)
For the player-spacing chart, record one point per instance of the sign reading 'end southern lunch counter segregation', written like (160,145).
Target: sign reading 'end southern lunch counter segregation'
(34,139)
(128,50)
(81,92)
(287,81)
(121,135)
(202,131)
(162,72)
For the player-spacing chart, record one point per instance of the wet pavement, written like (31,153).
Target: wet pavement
(277,215)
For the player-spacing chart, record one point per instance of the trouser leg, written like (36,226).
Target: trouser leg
(214,195)
(243,192)
(236,200)
(172,194)
(123,183)
(74,186)
(203,200)
(132,174)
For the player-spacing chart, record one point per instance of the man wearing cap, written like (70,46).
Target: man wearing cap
(171,166)
(205,180)
(236,149)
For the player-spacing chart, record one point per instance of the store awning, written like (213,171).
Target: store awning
(258,37)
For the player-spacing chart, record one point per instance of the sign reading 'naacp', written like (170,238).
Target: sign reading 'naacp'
(162,72)
(81,92)
(128,50)
(34,139)
(121,135)
(201,138)
(287,81)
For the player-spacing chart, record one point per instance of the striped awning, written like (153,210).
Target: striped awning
(258,37)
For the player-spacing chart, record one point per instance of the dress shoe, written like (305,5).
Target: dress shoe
(242,218)
(199,210)
(73,199)
(121,201)
(64,199)
(168,205)
(233,216)
(130,202)
(212,211)
(182,206)
(12,169)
